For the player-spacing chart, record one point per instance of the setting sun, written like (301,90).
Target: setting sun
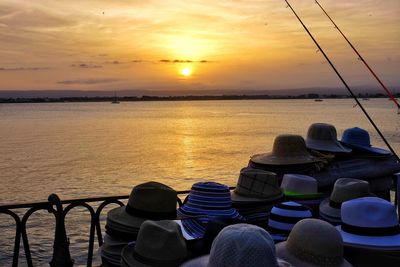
(186,72)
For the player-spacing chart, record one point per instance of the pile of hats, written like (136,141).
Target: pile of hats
(151,200)
(255,194)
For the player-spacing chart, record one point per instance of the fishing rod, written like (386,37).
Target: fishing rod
(361,58)
(345,84)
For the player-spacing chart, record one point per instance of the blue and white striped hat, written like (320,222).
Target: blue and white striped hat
(284,216)
(205,200)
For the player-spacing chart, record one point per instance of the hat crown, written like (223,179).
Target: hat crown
(348,188)
(322,131)
(370,212)
(356,136)
(308,241)
(302,184)
(243,245)
(153,197)
(257,183)
(161,240)
(289,145)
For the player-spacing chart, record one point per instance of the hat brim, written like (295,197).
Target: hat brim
(120,216)
(302,196)
(283,253)
(392,241)
(326,209)
(270,159)
(276,195)
(327,146)
(375,150)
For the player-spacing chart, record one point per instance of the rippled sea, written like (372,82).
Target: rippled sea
(97,149)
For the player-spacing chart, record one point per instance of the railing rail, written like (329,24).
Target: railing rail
(60,208)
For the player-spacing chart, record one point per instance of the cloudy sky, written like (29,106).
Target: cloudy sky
(137,44)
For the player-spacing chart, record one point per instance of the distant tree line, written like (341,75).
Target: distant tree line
(184,98)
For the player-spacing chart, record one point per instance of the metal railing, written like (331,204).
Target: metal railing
(60,208)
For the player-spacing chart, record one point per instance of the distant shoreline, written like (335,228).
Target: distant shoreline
(182,98)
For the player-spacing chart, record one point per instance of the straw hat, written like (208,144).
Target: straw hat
(359,139)
(240,245)
(370,222)
(323,137)
(151,200)
(205,200)
(256,185)
(159,243)
(287,150)
(283,217)
(297,186)
(343,190)
(313,243)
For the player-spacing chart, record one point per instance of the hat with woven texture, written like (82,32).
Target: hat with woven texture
(323,137)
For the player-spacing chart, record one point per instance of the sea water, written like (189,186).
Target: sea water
(98,149)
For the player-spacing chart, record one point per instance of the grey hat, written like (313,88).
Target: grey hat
(240,245)
(159,243)
(323,137)
(343,190)
(288,149)
(255,185)
(313,243)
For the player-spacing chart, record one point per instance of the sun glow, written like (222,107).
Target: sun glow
(186,72)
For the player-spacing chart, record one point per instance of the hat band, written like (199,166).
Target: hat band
(150,214)
(371,231)
(154,262)
(334,204)
(285,219)
(288,207)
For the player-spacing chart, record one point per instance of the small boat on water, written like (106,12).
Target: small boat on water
(318,100)
(115,101)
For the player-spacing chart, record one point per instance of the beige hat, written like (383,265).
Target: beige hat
(255,185)
(288,149)
(313,243)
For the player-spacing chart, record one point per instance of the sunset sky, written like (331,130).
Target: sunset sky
(193,44)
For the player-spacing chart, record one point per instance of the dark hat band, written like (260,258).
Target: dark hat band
(371,231)
(156,263)
(319,260)
(128,237)
(285,219)
(150,214)
(277,231)
(334,204)
(289,207)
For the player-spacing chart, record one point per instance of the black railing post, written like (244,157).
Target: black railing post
(61,254)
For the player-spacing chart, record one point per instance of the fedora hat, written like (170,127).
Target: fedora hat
(323,137)
(370,222)
(151,200)
(359,139)
(205,200)
(239,245)
(284,216)
(344,189)
(288,149)
(313,243)
(297,186)
(159,243)
(255,185)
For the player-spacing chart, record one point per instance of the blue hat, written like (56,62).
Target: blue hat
(359,138)
(205,200)
(284,216)
(370,222)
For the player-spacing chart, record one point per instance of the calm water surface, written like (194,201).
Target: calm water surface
(98,149)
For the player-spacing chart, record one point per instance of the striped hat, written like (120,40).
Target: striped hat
(284,216)
(205,200)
